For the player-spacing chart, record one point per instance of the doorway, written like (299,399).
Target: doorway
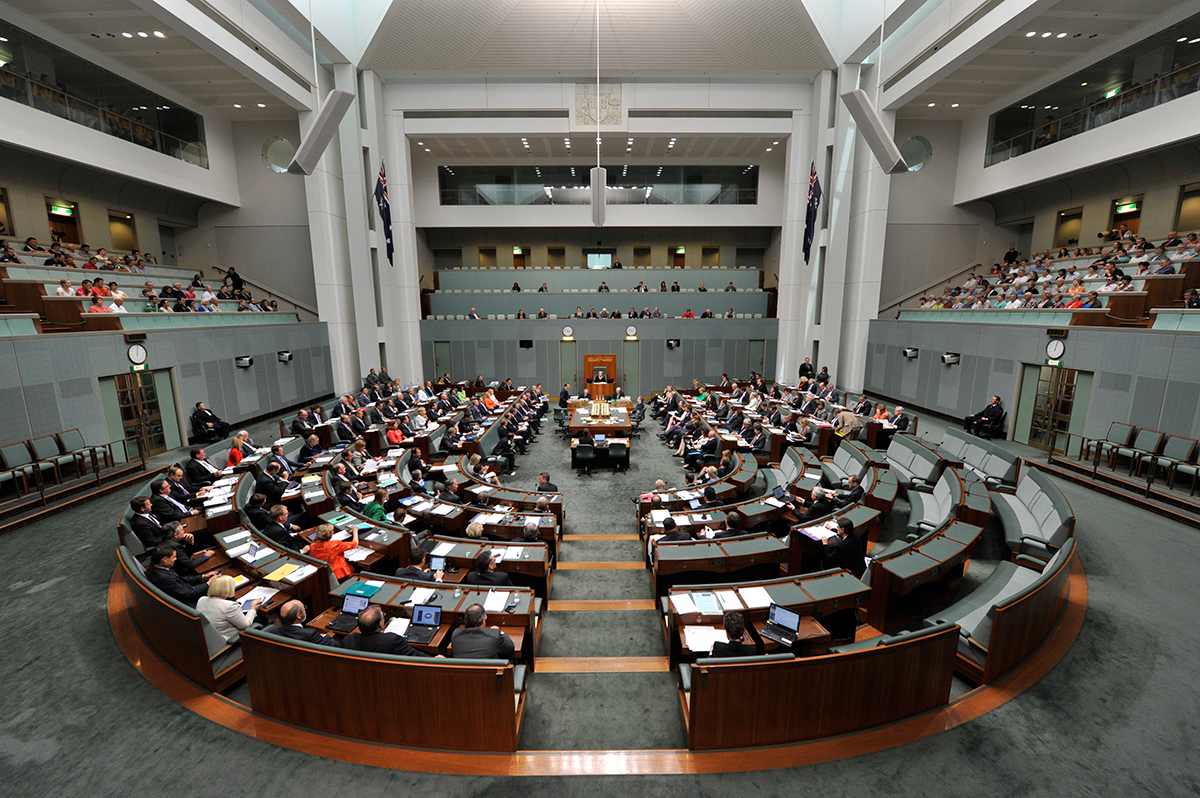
(758,353)
(678,258)
(1127,211)
(1070,223)
(146,418)
(441,359)
(64,221)
(1052,407)
(519,257)
(567,365)
(631,377)
(166,239)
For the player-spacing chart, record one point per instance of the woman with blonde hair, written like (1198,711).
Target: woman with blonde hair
(324,547)
(475,530)
(235,450)
(419,420)
(222,611)
(880,411)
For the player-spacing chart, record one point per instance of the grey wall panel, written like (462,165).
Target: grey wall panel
(1148,397)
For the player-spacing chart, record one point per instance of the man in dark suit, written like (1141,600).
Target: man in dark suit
(735,631)
(199,471)
(301,425)
(708,448)
(181,491)
(806,368)
(269,484)
(853,495)
(504,448)
(280,530)
(292,617)
(485,572)
(810,407)
(976,421)
(564,396)
(418,569)
(370,638)
(845,550)
(723,410)
(345,430)
(286,467)
(256,511)
(818,506)
(145,524)
(185,589)
(863,407)
(545,485)
(899,419)
(203,418)
(475,640)
(711,502)
(165,507)
(359,423)
(345,407)
(674,533)
(450,492)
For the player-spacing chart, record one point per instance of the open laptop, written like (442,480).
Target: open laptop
(351,607)
(782,625)
(426,618)
(780,493)
(599,439)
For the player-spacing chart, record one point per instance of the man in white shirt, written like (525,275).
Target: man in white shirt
(208,295)
(1015,303)
(118,306)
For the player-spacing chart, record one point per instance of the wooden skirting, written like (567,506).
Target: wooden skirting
(242,719)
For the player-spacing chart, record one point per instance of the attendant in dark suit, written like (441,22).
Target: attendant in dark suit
(485,572)
(845,550)
(564,396)
(162,574)
(369,638)
(199,471)
(203,418)
(292,617)
(301,425)
(545,485)
(418,570)
(166,507)
(985,417)
(735,630)
(477,641)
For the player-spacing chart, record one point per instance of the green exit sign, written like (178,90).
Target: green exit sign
(1132,206)
(1112,93)
(140,367)
(1053,362)
(62,210)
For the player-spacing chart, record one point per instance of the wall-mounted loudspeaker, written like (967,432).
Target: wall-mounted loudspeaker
(243,362)
(874,132)
(910,353)
(950,358)
(599,187)
(319,134)
(285,357)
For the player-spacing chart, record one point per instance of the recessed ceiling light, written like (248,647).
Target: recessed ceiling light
(1046,35)
(1193,41)
(159,34)
(1047,108)
(420,144)
(774,143)
(143,34)
(127,35)
(768,149)
(427,149)
(1084,83)
(236,105)
(930,105)
(2,39)
(1061,36)
(953,105)
(262,105)
(1181,39)
(1031,33)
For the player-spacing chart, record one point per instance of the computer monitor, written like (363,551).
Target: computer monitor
(355,604)
(781,616)
(427,615)
(599,438)
(600,374)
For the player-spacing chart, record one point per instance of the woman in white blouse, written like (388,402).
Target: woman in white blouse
(222,610)
(418,420)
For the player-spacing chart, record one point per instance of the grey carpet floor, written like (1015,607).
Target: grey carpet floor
(1118,716)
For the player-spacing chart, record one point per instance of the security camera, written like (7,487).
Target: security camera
(950,358)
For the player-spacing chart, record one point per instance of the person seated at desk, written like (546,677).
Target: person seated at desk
(707,448)
(236,451)
(531,530)
(418,569)
(707,314)
(733,526)
(203,418)
(357,458)
(673,533)
(475,640)
(269,484)
(710,499)
(344,429)
(256,511)
(735,632)
(374,509)
(504,448)
(417,483)
(393,434)
(845,550)
(817,506)
(485,572)
(287,468)
(370,638)
(280,529)
(324,547)
(184,589)
(183,492)
(591,314)
(358,423)
(187,557)
(199,471)
(852,496)
(880,413)
(450,492)
(342,474)
(223,611)
(481,472)
(165,506)
(474,531)
(291,619)
(542,314)
(863,407)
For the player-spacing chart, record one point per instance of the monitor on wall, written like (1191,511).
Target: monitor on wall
(599,260)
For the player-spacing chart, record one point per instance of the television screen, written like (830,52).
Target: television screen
(600,374)
(597,260)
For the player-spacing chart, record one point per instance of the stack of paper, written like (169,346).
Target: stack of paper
(300,573)
(261,592)
(444,509)
(442,549)
(729,600)
(755,597)
(682,603)
(706,603)
(236,536)
(701,638)
(422,594)
(658,516)
(397,626)
(357,554)
(496,601)
(498,554)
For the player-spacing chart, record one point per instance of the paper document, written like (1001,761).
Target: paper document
(771,500)
(357,554)
(236,536)
(220,508)
(443,509)
(397,626)
(300,573)
(682,603)
(495,601)
(280,572)
(498,554)
(374,582)
(819,532)
(220,483)
(701,638)
(341,535)
(261,592)
(729,600)
(240,580)
(421,595)
(423,507)
(755,597)
(238,551)
(706,603)
(658,516)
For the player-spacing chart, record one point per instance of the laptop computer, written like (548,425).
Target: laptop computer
(426,618)
(599,438)
(780,493)
(782,625)
(351,607)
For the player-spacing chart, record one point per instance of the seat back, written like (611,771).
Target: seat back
(618,450)
(585,451)
(1179,448)
(44,448)
(71,441)
(15,455)
(1147,440)
(1119,434)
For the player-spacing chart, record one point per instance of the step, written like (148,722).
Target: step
(603,665)
(600,566)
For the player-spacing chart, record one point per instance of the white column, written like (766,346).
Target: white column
(792,307)
(402,304)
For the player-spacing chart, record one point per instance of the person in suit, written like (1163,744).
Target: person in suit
(370,638)
(564,396)
(269,484)
(418,568)
(203,418)
(475,640)
(504,448)
(450,492)
(256,511)
(545,485)
(985,417)
(165,506)
(760,442)
(199,471)
(806,369)
(845,550)
(863,407)
(853,495)
(181,491)
(286,467)
(145,525)
(311,450)
(301,425)
(485,572)
(818,506)
(735,632)
(185,589)
(673,533)
(280,529)
(707,448)
(291,618)
(733,526)
(899,420)
(711,502)
(359,423)
(345,429)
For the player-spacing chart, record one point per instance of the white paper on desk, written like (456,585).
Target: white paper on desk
(236,536)
(681,520)
(683,604)
(260,592)
(341,535)
(215,498)
(819,532)
(729,600)
(315,496)
(292,493)
(496,601)
(408,519)
(309,479)
(771,500)
(443,509)
(658,516)
(708,534)
(442,549)
(421,595)
(357,554)
(239,580)
(395,454)
(220,483)
(300,573)
(701,638)
(498,554)
(479,490)
(397,626)
(812,475)
(238,551)
(374,582)
(422,507)
(755,597)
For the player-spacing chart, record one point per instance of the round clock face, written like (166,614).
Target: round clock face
(567,331)
(137,354)
(1055,349)
(631,331)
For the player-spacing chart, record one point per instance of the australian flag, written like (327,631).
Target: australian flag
(810,218)
(385,211)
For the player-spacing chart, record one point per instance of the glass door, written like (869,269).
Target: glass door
(141,413)
(1054,402)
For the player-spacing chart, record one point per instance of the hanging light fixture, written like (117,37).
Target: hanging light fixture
(599,173)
